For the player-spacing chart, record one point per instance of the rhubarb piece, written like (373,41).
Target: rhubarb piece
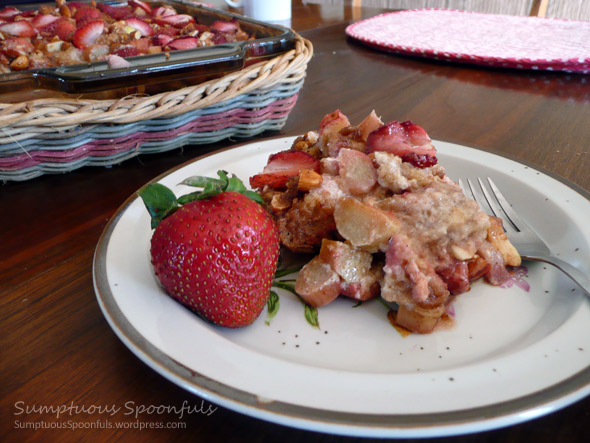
(317,283)
(357,171)
(371,123)
(363,225)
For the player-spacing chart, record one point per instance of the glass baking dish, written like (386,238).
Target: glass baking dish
(152,73)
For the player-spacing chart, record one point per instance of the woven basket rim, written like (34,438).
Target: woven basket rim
(59,112)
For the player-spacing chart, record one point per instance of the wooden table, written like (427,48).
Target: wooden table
(57,348)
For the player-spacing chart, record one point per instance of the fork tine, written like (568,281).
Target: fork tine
(506,207)
(466,189)
(488,203)
(497,207)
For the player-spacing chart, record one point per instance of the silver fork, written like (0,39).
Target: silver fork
(525,240)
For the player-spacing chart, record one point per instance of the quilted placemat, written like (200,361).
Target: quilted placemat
(485,39)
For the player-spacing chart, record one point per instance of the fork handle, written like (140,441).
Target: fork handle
(571,271)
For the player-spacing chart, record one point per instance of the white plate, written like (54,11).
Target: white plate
(512,356)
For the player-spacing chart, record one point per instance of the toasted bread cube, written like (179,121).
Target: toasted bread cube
(317,283)
(422,321)
(365,226)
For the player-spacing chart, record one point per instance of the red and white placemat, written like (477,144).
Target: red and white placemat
(485,39)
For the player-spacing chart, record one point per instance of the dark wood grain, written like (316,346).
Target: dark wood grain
(56,348)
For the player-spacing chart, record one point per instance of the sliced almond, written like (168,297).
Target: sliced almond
(308,179)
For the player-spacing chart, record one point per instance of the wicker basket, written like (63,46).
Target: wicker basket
(59,135)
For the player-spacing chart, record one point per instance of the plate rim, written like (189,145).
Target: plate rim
(487,417)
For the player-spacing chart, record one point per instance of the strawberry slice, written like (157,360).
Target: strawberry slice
(15,46)
(168,30)
(225,26)
(161,40)
(178,20)
(184,43)
(282,166)
(116,12)
(63,28)
(406,140)
(139,6)
(162,11)
(143,27)
(42,20)
(8,12)
(19,28)
(127,51)
(86,14)
(88,34)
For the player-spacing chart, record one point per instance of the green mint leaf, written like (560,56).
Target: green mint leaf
(159,202)
(286,271)
(272,306)
(253,196)
(197,181)
(187,198)
(311,315)
(211,188)
(223,178)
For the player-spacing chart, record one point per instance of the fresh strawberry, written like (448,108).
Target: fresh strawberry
(216,250)
(183,43)
(282,166)
(19,28)
(88,34)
